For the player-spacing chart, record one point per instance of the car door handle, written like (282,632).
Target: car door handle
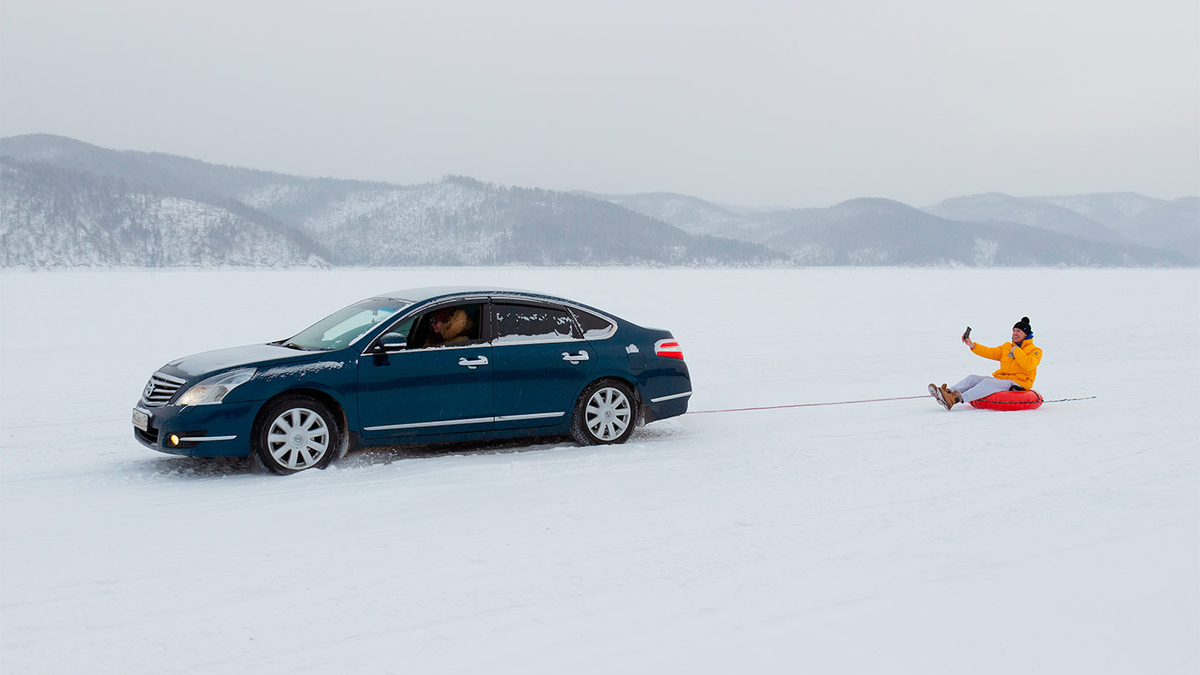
(576,358)
(479,361)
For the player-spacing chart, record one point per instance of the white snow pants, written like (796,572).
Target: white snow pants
(975,387)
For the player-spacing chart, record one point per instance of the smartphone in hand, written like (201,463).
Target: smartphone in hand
(967,333)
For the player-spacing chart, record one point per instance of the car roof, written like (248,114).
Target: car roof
(416,295)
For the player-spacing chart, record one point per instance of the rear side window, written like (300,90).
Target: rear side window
(530,323)
(594,327)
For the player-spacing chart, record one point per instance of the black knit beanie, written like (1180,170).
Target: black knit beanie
(1023,324)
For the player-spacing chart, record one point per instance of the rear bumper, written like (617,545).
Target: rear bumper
(221,430)
(665,389)
(669,405)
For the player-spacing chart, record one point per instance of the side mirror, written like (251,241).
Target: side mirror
(392,342)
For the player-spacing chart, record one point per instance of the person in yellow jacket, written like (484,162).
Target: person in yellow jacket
(1018,359)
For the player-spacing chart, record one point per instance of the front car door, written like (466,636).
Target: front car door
(429,386)
(540,360)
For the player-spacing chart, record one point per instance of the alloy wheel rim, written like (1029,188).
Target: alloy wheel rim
(298,438)
(608,413)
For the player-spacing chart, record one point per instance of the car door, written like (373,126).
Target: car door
(540,360)
(424,389)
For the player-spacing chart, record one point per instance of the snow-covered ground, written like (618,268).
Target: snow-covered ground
(888,537)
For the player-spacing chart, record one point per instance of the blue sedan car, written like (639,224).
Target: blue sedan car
(425,365)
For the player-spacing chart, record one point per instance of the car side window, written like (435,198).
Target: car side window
(404,328)
(447,326)
(532,323)
(594,327)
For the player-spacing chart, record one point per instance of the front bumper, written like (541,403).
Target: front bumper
(221,430)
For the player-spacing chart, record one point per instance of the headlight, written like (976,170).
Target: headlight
(215,388)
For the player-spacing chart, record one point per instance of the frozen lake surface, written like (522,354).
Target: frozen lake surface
(878,537)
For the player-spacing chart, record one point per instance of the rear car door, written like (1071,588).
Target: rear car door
(540,360)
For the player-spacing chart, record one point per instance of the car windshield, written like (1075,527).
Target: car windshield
(346,325)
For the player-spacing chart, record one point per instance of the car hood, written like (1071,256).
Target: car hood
(196,365)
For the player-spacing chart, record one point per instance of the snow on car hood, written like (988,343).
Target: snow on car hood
(221,359)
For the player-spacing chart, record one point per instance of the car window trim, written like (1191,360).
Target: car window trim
(521,343)
(487,299)
(445,348)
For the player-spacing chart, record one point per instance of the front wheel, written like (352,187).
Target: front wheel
(294,434)
(604,414)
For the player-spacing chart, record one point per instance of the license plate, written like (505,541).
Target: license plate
(141,419)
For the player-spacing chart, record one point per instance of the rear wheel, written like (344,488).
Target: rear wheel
(604,414)
(296,433)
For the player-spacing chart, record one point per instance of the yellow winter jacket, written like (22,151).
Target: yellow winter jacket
(1018,364)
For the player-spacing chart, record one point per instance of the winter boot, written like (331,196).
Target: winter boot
(949,396)
(936,393)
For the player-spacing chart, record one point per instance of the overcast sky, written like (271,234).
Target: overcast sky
(753,103)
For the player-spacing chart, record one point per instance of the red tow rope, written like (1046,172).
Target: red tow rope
(865,400)
(805,405)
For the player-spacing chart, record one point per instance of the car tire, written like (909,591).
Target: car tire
(605,413)
(295,433)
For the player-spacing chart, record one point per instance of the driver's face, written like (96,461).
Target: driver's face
(437,325)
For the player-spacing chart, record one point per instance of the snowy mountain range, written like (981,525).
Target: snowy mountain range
(67,203)
(1123,229)
(1122,218)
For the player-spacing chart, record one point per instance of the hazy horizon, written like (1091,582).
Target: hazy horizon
(755,207)
(775,104)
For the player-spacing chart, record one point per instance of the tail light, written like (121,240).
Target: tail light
(668,348)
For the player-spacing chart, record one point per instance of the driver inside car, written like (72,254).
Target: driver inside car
(448,325)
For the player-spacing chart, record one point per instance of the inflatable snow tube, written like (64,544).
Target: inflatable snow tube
(1010,400)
